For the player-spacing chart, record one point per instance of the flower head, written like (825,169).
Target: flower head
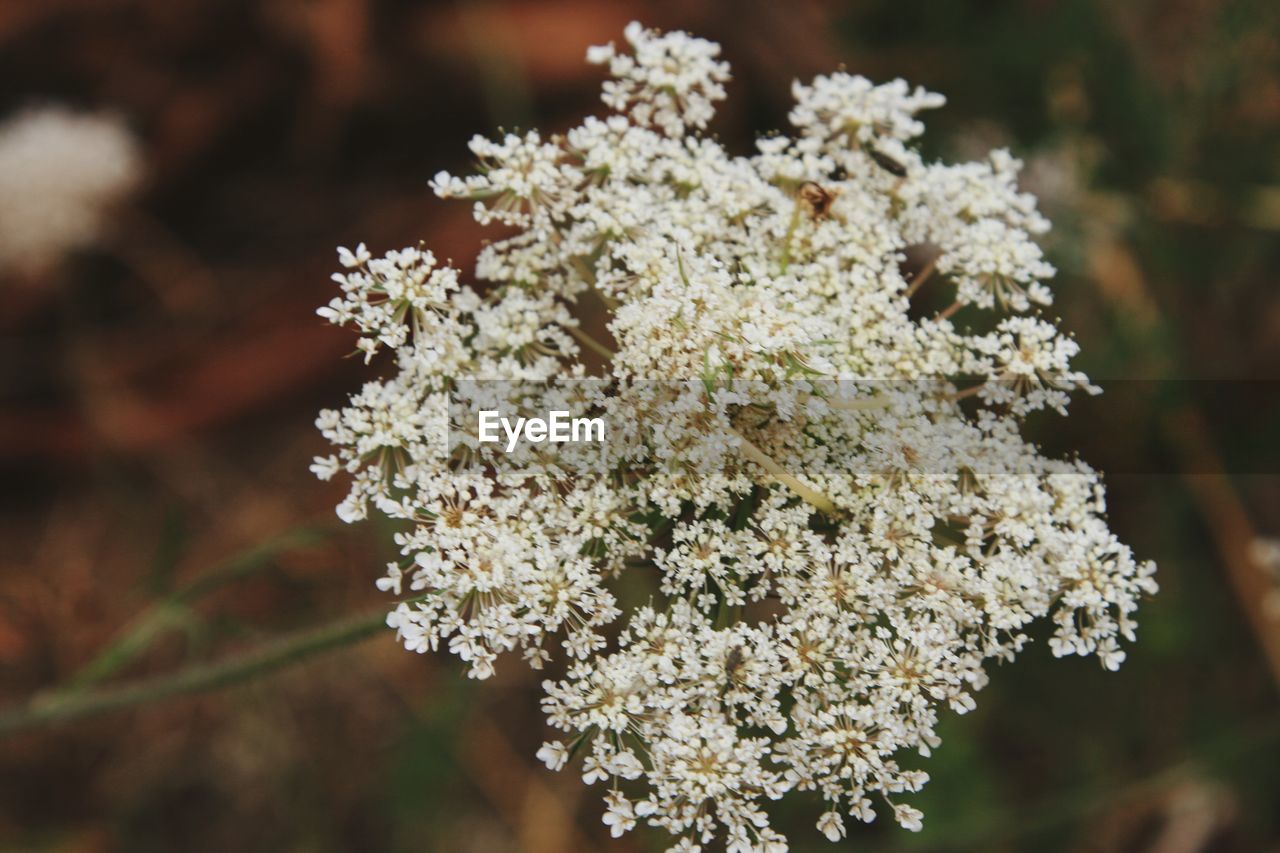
(60,172)
(828,495)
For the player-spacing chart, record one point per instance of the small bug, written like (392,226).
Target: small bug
(733,662)
(884,161)
(818,197)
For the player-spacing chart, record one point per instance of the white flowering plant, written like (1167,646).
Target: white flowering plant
(61,174)
(826,489)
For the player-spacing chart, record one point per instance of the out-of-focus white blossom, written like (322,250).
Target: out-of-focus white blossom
(833,562)
(60,173)
(1266,553)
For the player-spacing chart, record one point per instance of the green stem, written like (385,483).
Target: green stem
(291,649)
(590,342)
(810,495)
(922,276)
(174,611)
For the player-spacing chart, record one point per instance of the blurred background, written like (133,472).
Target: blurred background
(160,369)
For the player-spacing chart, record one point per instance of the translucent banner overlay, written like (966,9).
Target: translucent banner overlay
(867,428)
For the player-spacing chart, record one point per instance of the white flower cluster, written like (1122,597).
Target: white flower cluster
(823,488)
(671,83)
(59,173)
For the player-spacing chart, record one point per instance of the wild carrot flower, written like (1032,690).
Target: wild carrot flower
(826,492)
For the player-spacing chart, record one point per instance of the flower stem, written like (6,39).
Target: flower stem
(782,475)
(590,342)
(922,276)
(49,709)
(175,611)
(967,392)
(876,401)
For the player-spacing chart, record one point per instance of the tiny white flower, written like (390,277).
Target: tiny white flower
(831,825)
(593,770)
(391,581)
(350,259)
(619,815)
(908,817)
(553,754)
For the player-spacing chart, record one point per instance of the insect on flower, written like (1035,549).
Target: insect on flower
(884,161)
(818,197)
(733,662)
